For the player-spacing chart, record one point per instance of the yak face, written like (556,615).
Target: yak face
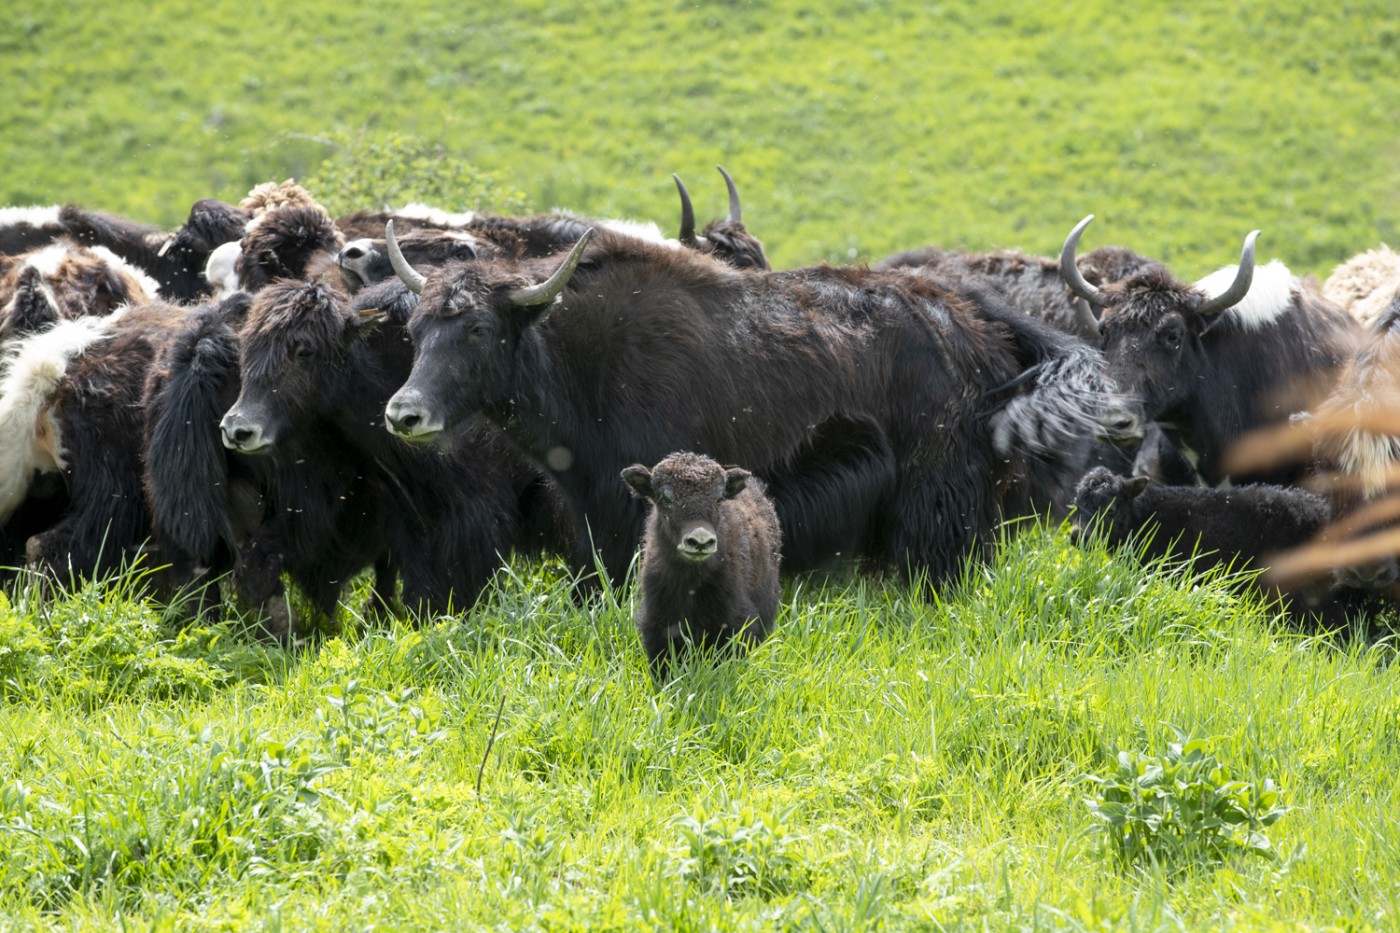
(282,243)
(1105,500)
(1151,336)
(687,492)
(366,261)
(63,281)
(467,333)
(291,347)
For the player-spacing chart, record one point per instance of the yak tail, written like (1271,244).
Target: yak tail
(187,469)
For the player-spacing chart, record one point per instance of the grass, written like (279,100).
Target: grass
(854,128)
(887,760)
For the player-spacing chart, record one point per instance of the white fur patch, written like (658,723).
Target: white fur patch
(640,230)
(30,374)
(32,216)
(435,216)
(1270,292)
(148,285)
(48,259)
(219,269)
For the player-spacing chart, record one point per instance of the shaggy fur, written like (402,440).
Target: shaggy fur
(289,241)
(306,512)
(653,350)
(97,407)
(31,439)
(63,281)
(1366,284)
(310,364)
(710,557)
(1031,283)
(1243,527)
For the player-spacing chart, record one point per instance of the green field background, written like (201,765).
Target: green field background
(853,128)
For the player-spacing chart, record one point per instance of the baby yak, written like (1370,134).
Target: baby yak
(709,557)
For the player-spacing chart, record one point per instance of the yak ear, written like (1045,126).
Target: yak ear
(735,479)
(366,321)
(1136,484)
(638,478)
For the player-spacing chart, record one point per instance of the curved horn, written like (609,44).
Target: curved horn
(549,289)
(1238,288)
(414,279)
(1084,312)
(733,195)
(687,235)
(1069,269)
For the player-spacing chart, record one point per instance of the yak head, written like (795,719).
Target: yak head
(687,492)
(1152,329)
(63,281)
(727,239)
(366,261)
(1104,501)
(466,333)
(292,349)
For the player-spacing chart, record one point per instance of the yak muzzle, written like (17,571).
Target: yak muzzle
(698,544)
(1119,425)
(243,435)
(409,416)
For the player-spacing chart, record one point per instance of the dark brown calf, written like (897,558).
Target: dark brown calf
(709,557)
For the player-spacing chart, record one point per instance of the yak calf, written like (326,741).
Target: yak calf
(709,558)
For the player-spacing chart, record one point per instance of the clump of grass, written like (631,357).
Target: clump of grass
(393,170)
(1180,809)
(736,850)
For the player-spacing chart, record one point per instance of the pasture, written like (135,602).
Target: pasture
(987,756)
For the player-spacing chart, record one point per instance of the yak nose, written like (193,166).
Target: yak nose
(698,543)
(408,416)
(1120,424)
(241,434)
(355,249)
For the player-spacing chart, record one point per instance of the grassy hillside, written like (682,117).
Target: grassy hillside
(854,128)
(884,762)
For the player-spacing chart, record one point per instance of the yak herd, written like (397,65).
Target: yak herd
(270,393)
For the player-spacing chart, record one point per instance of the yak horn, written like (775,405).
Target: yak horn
(1069,269)
(687,235)
(733,195)
(549,289)
(1238,288)
(411,277)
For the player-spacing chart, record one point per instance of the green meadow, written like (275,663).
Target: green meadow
(1062,739)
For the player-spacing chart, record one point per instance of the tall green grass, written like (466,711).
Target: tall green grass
(888,760)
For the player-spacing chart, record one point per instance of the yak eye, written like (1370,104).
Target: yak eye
(301,351)
(1170,337)
(665,498)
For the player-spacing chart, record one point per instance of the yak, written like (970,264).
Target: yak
(728,240)
(63,280)
(1237,351)
(1032,283)
(626,351)
(308,362)
(308,512)
(82,395)
(709,558)
(1365,284)
(174,260)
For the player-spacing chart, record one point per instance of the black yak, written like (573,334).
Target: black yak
(727,239)
(710,557)
(309,363)
(1237,351)
(628,351)
(1246,527)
